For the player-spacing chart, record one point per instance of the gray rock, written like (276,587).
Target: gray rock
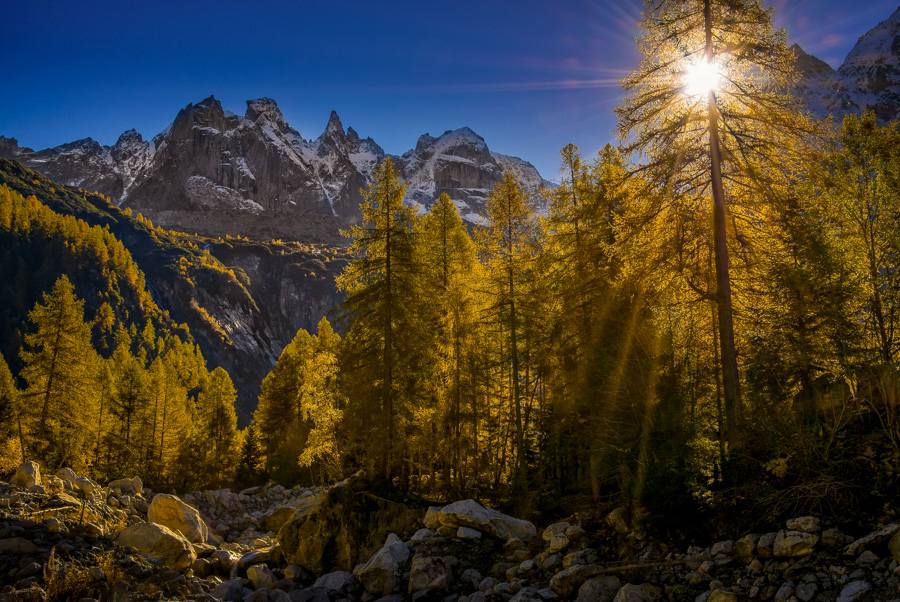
(722,547)
(867,558)
(784,592)
(469,513)
(855,590)
(765,544)
(468,533)
(872,539)
(334,581)
(599,589)
(422,535)
(431,573)
(806,591)
(567,582)
(229,591)
(380,575)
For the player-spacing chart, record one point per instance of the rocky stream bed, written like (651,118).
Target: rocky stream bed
(65,537)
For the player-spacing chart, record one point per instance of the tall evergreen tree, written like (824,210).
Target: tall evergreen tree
(504,247)
(381,284)
(59,369)
(706,110)
(218,434)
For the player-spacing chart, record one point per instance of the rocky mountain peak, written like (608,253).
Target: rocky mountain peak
(129,138)
(334,127)
(808,65)
(264,108)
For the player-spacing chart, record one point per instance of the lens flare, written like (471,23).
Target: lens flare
(701,77)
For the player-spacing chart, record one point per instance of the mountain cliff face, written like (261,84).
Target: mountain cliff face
(216,172)
(869,78)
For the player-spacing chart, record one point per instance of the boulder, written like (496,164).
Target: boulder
(599,589)
(86,486)
(554,529)
(342,527)
(558,543)
(567,582)
(261,576)
(872,539)
(68,475)
(894,546)
(431,573)
(432,518)
(765,544)
(721,595)
(745,547)
(17,545)
(468,533)
(229,591)
(127,486)
(794,544)
(27,475)
(853,591)
(379,575)
(638,593)
(833,539)
(171,512)
(335,581)
(277,517)
(469,513)
(158,542)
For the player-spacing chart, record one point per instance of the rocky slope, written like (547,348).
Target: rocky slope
(869,78)
(210,168)
(243,301)
(65,534)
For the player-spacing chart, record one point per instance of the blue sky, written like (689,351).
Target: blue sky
(528,76)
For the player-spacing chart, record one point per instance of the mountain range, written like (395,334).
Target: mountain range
(868,79)
(210,165)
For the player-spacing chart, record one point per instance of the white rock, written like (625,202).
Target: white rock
(469,513)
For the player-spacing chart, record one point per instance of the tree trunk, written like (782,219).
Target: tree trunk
(730,379)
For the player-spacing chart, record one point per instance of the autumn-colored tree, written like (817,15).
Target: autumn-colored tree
(381,284)
(59,361)
(706,112)
(504,248)
(217,433)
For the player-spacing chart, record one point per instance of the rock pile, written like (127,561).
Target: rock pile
(65,533)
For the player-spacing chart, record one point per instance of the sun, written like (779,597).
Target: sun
(701,77)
